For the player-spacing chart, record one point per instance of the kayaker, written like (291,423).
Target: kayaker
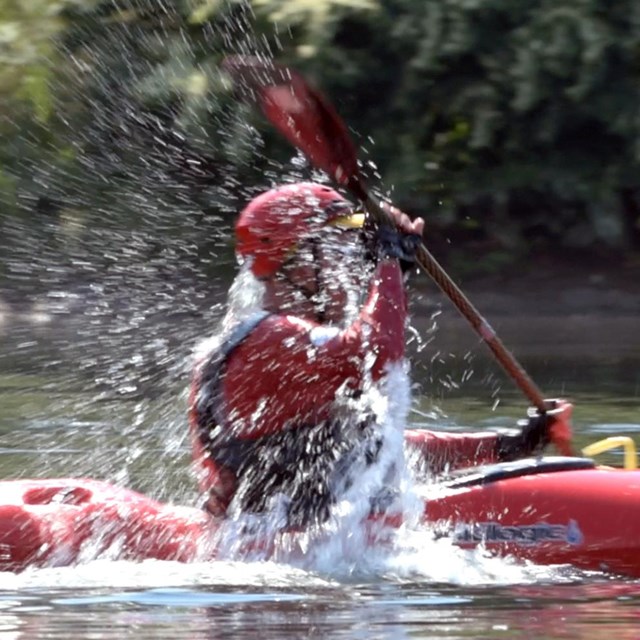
(286,401)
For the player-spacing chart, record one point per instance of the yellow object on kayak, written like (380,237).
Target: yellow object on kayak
(630,457)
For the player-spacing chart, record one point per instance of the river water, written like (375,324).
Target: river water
(51,424)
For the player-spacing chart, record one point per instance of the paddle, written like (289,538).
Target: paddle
(305,118)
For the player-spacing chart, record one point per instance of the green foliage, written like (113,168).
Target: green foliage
(511,124)
(521,114)
(313,18)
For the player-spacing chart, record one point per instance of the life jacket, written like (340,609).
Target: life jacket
(305,466)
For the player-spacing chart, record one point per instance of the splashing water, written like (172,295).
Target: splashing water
(121,270)
(117,252)
(352,548)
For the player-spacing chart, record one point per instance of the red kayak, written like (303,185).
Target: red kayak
(55,522)
(548,511)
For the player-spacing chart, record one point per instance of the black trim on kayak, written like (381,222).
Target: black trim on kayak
(526,467)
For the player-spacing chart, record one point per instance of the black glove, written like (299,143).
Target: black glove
(388,242)
(531,439)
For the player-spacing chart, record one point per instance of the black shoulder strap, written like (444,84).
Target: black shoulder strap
(209,403)
(241,331)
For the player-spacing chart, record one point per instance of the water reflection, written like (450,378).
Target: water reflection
(385,610)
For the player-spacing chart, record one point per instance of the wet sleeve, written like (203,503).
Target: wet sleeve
(379,330)
(439,450)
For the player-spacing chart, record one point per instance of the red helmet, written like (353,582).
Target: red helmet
(271,225)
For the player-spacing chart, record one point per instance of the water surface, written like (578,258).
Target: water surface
(53,422)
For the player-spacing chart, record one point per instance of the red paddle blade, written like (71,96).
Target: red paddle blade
(299,112)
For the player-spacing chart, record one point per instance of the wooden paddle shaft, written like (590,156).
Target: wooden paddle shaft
(427,261)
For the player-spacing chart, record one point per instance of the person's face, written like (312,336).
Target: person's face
(330,268)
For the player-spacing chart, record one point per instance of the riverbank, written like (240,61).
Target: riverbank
(567,309)
(563,309)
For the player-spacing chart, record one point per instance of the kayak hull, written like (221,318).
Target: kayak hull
(55,522)
(588,518)
(550,511)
